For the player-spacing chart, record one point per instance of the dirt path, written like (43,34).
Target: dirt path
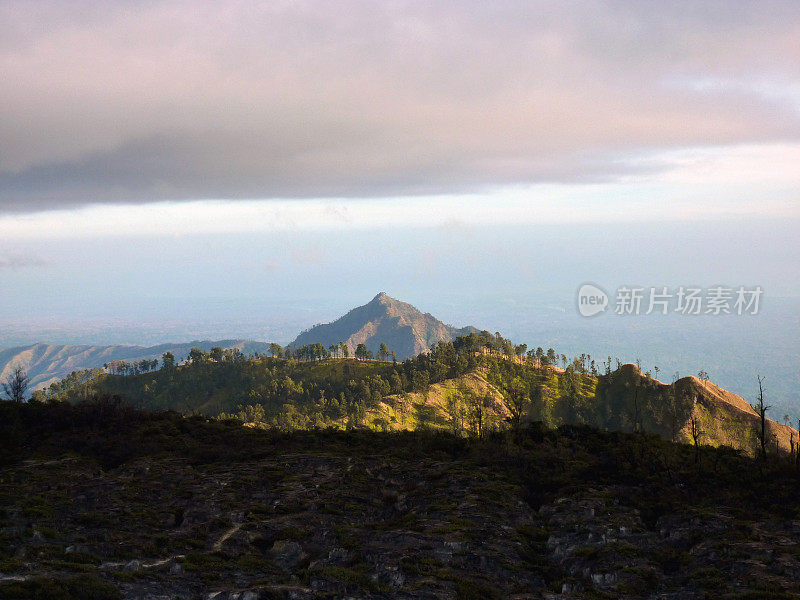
(226,536)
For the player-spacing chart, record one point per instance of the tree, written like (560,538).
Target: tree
(477,406)
(383,353)
(361,351)
(797,453)
(673,408)
(696,432)
(419,380)
(17,385)
(317,351)
(516,398)
(275,350)
(455,411)
(168,359)
(637,414)
(787,420)
(762,409)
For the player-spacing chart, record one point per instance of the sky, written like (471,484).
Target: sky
(147,101)
(218,169)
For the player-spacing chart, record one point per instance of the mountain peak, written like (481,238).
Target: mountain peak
(383,320)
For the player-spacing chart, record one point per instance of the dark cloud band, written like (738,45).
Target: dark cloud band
(172,100)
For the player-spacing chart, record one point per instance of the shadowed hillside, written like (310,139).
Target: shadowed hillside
(103,502)
(400,326)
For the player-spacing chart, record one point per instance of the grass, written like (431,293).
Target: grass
(80,587)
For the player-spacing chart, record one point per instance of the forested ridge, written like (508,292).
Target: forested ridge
(474,384)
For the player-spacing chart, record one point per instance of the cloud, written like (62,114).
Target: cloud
(149,101)
(19,261)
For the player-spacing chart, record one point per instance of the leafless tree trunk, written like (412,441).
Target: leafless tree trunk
(697,433)
(762,409)
(797,453)
(17,385)
(636,416)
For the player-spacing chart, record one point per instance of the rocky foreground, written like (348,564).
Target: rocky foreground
(166,507)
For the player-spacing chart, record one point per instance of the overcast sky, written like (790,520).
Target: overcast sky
(157,154)
(149,101)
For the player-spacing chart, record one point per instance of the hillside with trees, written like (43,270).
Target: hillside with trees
(476,384)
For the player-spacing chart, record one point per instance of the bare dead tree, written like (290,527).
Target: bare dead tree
(696,432)
(17,385)
(797,453)
(761,408)
(636,416)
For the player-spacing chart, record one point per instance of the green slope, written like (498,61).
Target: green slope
(451,388)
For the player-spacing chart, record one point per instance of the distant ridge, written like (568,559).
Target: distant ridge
(46,363)
(399,325)
(404,329)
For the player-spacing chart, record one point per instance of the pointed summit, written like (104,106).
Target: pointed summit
(386,320)
(382,298)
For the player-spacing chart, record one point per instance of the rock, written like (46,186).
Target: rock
(318,584)
(133,565)
(443,555)
(338,555)
(603,579)
(570,587)
(288,554)
(389,574)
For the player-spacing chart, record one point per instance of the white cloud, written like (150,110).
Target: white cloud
(709,183)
